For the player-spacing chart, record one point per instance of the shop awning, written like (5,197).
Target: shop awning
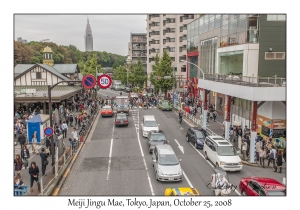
(38,118)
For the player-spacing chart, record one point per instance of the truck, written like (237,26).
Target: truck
(116,85)
(122,104)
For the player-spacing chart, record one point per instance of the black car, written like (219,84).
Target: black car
(156,138)
(121,119)
(196,136)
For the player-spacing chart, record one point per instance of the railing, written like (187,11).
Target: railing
(248,81)
(139,40)
(139,48)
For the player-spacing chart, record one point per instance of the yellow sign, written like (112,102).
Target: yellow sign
(214,93)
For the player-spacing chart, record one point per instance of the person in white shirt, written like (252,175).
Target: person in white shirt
(220,184)
(272,156)
(74,133)
(64,128)
(244,150)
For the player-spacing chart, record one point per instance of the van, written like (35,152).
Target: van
(222,153)
(166,164)
(149,124)
(122,104)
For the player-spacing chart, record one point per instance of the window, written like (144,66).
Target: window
(38,75)
(274,55)
(276,17)
(183,69)
(157,50)
(227,151)
(172,30)
(231,62)
(220,104)
(172,49)
(172,40)
(168,160)
(199,134)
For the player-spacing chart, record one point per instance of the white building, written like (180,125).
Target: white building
(137,47)
(168,32)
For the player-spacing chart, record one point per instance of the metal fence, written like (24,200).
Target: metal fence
(248,81)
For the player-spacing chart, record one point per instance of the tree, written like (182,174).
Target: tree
(89,67)
(162,67)
(120,73)
(139,74)
(131,76)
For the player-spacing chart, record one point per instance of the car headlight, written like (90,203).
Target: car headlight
(180,172)
(240,163)
(222,163)
(159,172)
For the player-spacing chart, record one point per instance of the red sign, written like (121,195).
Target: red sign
(104,81)
(89,81)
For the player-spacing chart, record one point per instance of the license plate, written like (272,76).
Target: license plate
(121,121)
(106,112)
(171,178)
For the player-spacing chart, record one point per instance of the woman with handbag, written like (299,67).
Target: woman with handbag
(18,164)
(44,161)
(34,175)
(25,155)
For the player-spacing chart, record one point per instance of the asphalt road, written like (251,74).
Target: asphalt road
(116,161)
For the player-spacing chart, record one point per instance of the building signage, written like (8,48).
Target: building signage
(28,91)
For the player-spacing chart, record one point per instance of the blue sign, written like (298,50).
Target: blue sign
(48,131)
(34,135)
(88,81)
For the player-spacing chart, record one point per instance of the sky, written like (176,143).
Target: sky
(111,33)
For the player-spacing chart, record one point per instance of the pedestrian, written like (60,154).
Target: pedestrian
(215,115)
(74,133)
(21,139)
(34,176)
(244,150)
(18,164)
(48,146)
(18,183)
(262,156)
(44,161)
(247,140)
(279,162)
(71,119)
(257,146)
(64,128)
(231,133)
(272,157)
(25,155)
(34,141)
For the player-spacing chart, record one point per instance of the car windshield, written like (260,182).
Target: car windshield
(199,135)
(273,192)
(121,117)
(158,137)
(168,160)
(150,124)
(227,151)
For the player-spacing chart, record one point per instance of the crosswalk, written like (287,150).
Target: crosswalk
(135,108)
(17,149)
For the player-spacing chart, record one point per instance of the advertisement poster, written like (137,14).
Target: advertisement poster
(34,135)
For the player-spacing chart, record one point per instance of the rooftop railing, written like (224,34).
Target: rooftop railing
(248,81)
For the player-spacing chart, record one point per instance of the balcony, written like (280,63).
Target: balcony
(139,47)
(139,54)
(139,40)
(249,88)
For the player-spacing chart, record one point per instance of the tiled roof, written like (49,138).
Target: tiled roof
(65,68)
(45,88)
(54,71)
(20,68)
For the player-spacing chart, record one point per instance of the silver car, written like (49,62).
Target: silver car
(166,164)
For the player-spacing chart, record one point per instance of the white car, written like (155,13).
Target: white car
(221,153)
(149,124)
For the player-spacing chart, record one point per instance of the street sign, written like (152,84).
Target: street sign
(28,91)
(88,81)
(48,131)
(104,81)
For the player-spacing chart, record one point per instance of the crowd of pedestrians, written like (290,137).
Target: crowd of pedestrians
(74,113)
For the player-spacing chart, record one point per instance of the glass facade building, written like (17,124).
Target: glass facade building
(232,30)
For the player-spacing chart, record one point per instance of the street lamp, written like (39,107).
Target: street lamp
(203,124)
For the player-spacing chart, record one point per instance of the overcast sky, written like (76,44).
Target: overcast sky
(111,33)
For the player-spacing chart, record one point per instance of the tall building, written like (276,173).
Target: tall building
(137,47)
(19,39)
(88,37)
(168,32)
(243,58)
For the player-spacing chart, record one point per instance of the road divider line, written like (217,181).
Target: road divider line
(110,152)
(138,137)
(180,147)
(187,179)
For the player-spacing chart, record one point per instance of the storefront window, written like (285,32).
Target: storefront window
(211,22)
(220,104)
(218,21)
(193,70)
(208,50)
(232,27)
(231,62)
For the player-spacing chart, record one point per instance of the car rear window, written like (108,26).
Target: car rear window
(158,137)
(106,108)
(199,134)
(121,117)
(165,103)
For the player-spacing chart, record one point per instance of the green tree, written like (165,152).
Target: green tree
(89,67)
(120,73)
(155,72)
(131,76)
(139,74)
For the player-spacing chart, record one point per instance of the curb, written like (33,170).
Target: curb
(61,180)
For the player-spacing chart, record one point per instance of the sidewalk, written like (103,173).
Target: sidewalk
(49,175)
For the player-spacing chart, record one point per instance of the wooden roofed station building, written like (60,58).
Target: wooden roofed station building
(31,82)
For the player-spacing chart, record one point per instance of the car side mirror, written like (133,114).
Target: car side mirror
(180,160)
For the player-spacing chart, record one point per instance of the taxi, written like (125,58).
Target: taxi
(107,111)
(165,105)
(182,191)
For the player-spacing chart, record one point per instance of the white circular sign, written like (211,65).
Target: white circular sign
(104,81)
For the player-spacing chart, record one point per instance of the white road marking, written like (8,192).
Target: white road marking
(138,137)
(180,147)
(109,161)
(187,179)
